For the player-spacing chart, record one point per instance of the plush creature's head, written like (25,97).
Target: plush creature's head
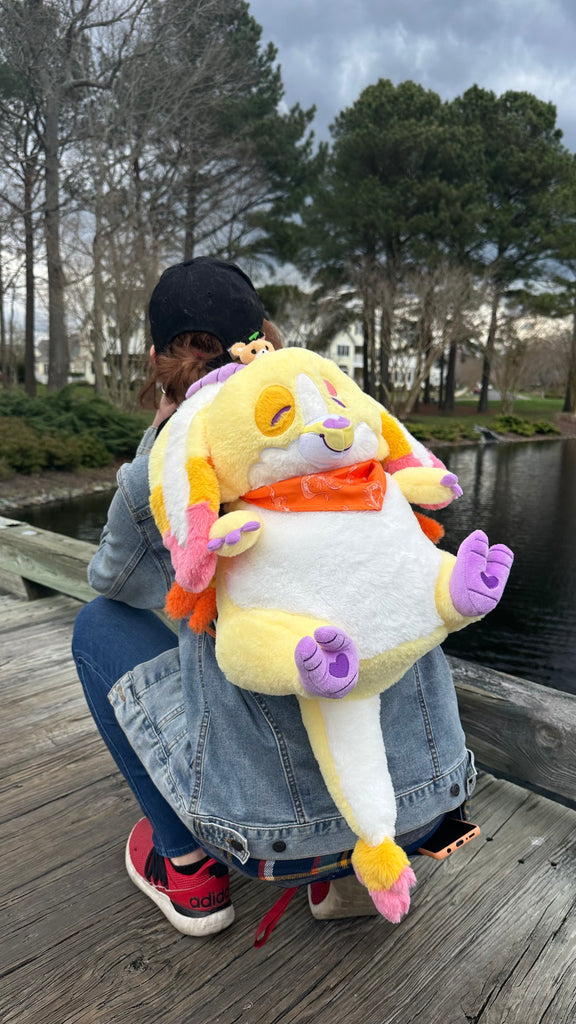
(288,415)
(246,426)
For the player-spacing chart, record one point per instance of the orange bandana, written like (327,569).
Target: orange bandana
(350,489)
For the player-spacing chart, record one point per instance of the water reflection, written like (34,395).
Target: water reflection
(521,494)
(525,496)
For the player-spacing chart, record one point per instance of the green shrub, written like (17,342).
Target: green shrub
(21,446)
(419,430)
(28,450)
(70,428)
(93,451)
(511,424)
(447,430)
(545,427)
(6,470)
(525,428)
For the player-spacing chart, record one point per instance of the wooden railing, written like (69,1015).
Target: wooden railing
(518,730)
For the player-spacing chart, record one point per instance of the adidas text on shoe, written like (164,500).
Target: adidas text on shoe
(195,904)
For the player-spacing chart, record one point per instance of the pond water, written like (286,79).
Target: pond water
(523,495)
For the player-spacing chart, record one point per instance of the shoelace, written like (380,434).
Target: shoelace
(155,869)
(270,920)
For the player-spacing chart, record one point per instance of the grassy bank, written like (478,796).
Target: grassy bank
(532,418)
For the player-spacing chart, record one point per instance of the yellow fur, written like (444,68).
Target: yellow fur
(422,486)
(379,866)
(453,619)
(397,441)
(203,483)
(246,636)
(159,510)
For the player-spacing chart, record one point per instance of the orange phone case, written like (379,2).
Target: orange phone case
(455,844)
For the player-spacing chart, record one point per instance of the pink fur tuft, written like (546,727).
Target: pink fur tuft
(394,903)
(411,461)
(193,564)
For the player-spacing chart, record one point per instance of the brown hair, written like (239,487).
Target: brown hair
(184,362)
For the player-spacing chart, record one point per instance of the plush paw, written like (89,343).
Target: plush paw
(233,533)
(428,486)
(328,663)
(479,575)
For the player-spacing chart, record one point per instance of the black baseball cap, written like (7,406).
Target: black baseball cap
(204,294)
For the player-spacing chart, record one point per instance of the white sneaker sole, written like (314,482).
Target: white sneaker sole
(199,927)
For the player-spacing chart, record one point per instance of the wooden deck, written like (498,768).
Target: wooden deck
(490,939)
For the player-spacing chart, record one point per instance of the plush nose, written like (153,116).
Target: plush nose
(336,423)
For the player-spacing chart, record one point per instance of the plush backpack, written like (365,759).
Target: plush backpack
(284,495)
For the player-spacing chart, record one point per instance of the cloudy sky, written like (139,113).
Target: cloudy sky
(330,50)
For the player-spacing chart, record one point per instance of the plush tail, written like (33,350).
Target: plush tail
(347,741)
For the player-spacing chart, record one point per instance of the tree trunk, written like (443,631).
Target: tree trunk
(190,217)
(369,332)
(489,350)
(385,350)
(3,352)
(450,386)
(29,355)
(570,399)
(58,343)
(441,365)
(98,306)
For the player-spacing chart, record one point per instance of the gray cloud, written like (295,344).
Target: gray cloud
(329,52)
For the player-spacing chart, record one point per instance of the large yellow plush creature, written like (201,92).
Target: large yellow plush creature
(326,585)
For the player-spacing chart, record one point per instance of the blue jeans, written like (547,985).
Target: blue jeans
(110,638)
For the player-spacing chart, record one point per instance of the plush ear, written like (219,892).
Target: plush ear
(404,450)
(237,349)
(185,497)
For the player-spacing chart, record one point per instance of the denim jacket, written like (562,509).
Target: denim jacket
(237,766)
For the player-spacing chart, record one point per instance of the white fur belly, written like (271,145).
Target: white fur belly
(371,573)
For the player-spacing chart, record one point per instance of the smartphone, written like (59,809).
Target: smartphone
(449,836)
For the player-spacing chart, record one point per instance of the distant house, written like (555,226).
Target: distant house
(81,367)
(81,362)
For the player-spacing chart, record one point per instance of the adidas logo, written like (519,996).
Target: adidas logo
(214,899)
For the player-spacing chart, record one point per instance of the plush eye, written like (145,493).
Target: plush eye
(333,393)
(275,410)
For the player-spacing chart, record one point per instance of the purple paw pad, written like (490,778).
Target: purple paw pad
(339,667)
(328,663)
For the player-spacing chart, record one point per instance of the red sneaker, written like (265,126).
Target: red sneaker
(197,904)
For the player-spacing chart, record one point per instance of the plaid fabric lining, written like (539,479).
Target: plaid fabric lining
(296,872)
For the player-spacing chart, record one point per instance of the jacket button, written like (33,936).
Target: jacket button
(279,847)
(236,844)
(455,789)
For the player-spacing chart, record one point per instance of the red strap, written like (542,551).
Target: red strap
(270,920)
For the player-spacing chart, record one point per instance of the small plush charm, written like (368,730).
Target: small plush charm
(257,345)
(326,583)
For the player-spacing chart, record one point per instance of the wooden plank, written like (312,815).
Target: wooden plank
(489,937)
(518,729)
(49,559)
(471,948)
